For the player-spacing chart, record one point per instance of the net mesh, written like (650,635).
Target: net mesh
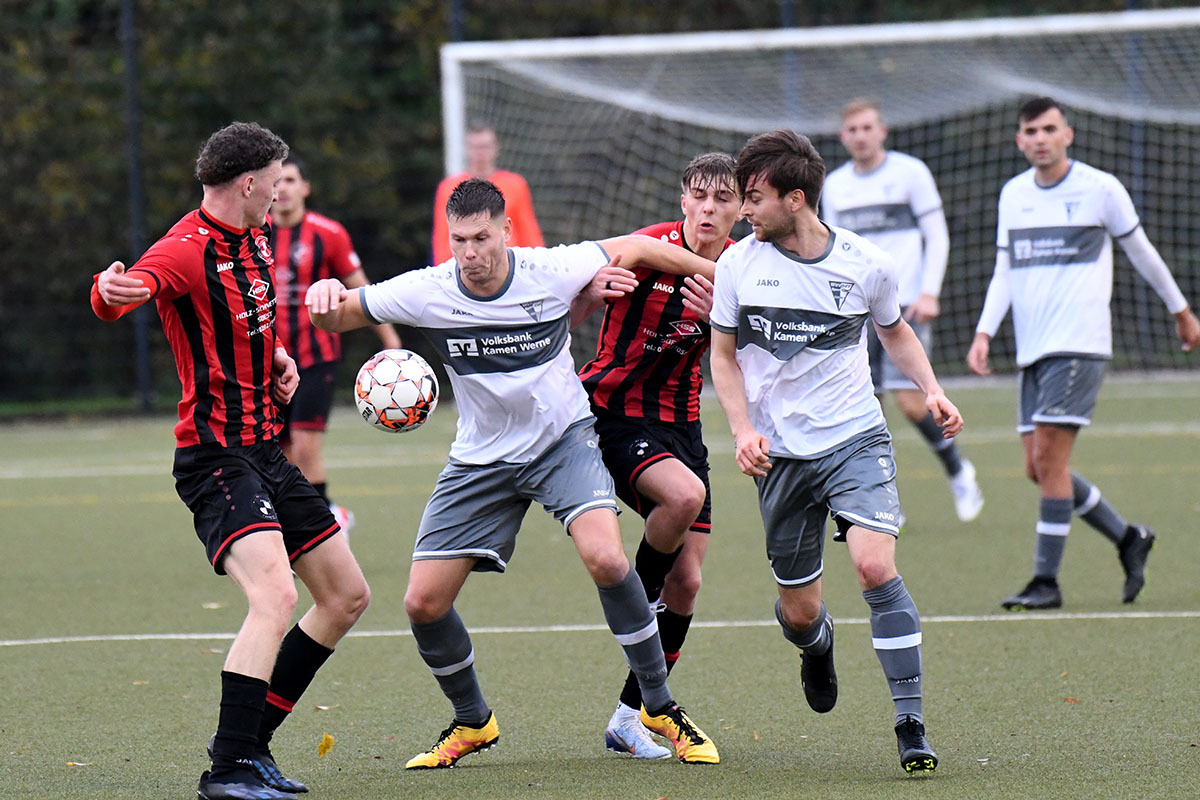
(602,137)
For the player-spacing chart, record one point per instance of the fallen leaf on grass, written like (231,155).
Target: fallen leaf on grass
(1070,700)
(323,708)
(212,606)
(79,763)
(756,736)
(325,746)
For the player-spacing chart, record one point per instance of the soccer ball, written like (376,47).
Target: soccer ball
(396,391)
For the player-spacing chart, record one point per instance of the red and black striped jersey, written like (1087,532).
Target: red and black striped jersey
(215,291)
(312,250)
(647,361)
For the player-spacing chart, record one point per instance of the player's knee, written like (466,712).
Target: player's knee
(276,601)
(683,584)
(353,601)
(423,607)
(874,572)
(608,567)
(800,613)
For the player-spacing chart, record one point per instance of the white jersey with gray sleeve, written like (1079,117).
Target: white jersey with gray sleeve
(884,206)
(508,355)
(801,338)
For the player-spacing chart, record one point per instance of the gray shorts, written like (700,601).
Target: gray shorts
(855,484)
(1059,390)
(885,375)
(476,510)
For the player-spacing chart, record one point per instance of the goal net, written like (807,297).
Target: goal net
(602,127)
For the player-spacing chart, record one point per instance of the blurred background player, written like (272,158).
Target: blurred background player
(309,247)
(499,319)
(644,385)
(890,199)
(211,276)
(482,149)
(789,362)
(1056,224)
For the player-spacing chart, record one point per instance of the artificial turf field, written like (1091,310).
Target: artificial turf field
(113,631)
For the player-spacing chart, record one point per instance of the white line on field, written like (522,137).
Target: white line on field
(1013,617)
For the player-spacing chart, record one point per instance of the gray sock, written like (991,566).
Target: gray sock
(1054,522)
(943,448)
(1091,506)
(446,649)
(631,621)
(896,636)
(813,639)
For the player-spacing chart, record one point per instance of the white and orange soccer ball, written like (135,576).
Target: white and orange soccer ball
(396,391)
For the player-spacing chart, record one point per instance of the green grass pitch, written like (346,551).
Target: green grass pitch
(113,631)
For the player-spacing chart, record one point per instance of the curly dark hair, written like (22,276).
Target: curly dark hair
(475,196)
(237,148)
(786,160)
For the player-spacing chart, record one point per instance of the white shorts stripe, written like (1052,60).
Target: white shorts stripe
(870,524)
(897,642)
(575,512)
(1063,420)
(453,668)
(1053,528)
(801,581)
(473,552)
(626,639)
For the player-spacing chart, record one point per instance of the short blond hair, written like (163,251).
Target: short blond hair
(861,104)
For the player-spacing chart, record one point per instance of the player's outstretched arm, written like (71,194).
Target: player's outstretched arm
(646,251)
(905,350)
(115,293)
(333,307)
(752,449)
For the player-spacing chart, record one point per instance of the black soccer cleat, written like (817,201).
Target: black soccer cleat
(1134,550)
(263,765)
(249,789)
(915,753)
(819,678)
(1038,593)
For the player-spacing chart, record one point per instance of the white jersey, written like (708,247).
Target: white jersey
(884,206)
(801,338)
(1059,243)
(508,355)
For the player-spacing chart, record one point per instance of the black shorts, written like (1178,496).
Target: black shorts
(309,409)
(631,444)
(236,491)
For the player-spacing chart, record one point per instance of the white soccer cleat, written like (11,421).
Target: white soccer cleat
(968,498)
(627,734)
(344,517)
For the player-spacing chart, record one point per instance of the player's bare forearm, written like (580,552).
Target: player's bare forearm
(646,251)
(333,307)
(751,448)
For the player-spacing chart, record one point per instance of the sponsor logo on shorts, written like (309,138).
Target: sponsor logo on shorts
(885,516)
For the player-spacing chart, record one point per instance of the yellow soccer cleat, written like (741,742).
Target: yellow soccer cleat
(455,742)
(692,746)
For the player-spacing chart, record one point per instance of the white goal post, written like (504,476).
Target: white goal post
(601,127)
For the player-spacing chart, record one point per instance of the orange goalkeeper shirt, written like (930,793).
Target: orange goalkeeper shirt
(518,206)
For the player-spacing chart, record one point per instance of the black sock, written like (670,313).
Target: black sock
(297,663)
(672,629)
(242,701)
(652,567)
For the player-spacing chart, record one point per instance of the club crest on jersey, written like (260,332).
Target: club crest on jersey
(533,309)
(686,327)
(262,505)
(299,252)
(258,289)
(264,248)
(841,290)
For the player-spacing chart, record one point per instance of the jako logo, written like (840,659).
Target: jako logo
(224,266)
(659,286)
(767,282)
